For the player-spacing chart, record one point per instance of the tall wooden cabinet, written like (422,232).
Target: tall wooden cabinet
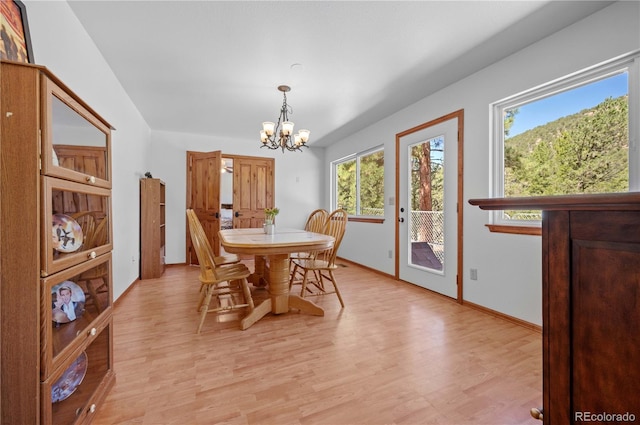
(590,303)
(56,327)
(152,228)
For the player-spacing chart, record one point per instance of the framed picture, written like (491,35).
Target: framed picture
(15,44)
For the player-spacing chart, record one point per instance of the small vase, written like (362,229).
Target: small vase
(269,228)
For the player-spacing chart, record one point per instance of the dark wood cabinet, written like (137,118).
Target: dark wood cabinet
(591,305)
(56,354)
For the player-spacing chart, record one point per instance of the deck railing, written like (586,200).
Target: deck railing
(428,226)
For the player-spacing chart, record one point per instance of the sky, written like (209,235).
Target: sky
(567,103)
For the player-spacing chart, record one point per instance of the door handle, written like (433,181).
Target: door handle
(216,215)
(237,214)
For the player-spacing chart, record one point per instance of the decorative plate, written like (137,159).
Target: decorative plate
(70,293)
(70,379)
(66,233)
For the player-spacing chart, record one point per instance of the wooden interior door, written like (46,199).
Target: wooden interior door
(203,196)
(253,190)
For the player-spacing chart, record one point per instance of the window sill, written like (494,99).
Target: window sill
(516,230)
(367,220)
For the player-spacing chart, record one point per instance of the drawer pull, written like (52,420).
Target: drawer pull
(536,413)
(91,179)
(92,409)
(93,331)
(92,255)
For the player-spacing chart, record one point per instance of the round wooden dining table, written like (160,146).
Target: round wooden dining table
(276,249)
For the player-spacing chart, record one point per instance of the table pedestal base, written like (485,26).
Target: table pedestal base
(280,300)
(266,307)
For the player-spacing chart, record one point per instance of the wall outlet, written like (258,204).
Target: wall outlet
(473,274)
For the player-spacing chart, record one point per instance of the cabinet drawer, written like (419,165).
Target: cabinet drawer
(71,394)
(76,224)
(75,141)
(75,303)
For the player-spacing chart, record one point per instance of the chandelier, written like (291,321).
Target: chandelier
(284,138)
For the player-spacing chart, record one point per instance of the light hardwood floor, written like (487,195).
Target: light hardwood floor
(396,354)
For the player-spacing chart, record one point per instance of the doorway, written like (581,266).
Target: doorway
(209,175)
(428,213)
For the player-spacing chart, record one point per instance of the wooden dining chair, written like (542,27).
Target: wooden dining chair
(227,285)
(322,264)
(315,223)
(95,279)
(87,222)
(224,259)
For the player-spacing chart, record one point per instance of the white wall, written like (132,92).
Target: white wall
(298,179)
(509,266)
(509,276)
(61,44)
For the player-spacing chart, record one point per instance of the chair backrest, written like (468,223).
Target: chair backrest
(100,234)
(335,225)
(201,245)
(87,222)
(316,221)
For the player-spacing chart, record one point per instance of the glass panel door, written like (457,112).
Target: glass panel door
(427,198)
(75,142)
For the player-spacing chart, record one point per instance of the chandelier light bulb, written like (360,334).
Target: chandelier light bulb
(268,127)
(304,135)
(287,128)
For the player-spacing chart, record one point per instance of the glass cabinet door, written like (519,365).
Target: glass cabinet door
(75,141)
(74,305)
(69,395)
(76,224)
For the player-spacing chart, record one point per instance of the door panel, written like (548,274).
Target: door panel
(203,196)
(429,224)
(253,190)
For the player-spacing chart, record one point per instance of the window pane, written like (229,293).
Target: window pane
(372,184)
(346,190)
(573,142)
(426,218)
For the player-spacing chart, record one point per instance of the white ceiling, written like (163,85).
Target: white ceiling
(212,67)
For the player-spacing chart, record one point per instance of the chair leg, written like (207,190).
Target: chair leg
(293,275)
(204,307)
(203,293)
(247,294)
(335,285)
(304,283)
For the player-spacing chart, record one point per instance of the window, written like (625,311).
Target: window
(359,183)
(571,136)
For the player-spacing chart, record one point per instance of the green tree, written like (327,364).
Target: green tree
(582,153)
(372,184)
(346,190)
(509,118)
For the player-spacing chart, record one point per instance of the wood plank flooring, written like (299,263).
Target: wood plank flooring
(396,354)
